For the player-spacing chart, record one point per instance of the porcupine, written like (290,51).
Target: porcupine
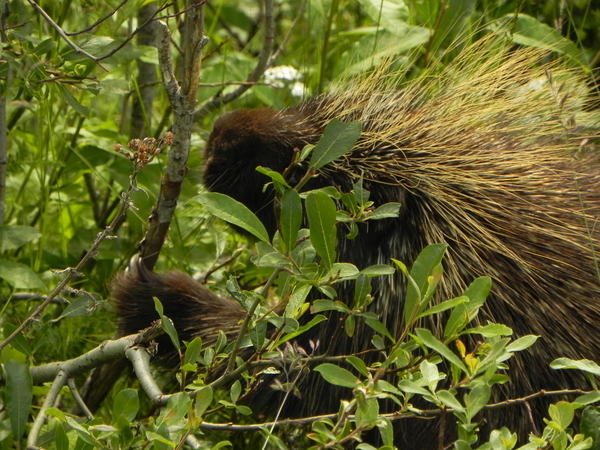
(481,158)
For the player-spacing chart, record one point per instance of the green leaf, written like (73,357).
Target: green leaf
(192,351)
(297,299)
(126,404)
(328,305)
(362,288)
(242,409)
(61,440)
(430,341)
(14,237)
(393,17)
(45,46)
(235,391)
(430,374)
(386,430)
(19,394)
(82,433)
(275,176)
(562,413)
(350,325)
(337,376)
(338,138)
(258,334)
(321,210)
(421,272)
(291,218)
(448,399)
(20,276)
(491,330)
(234,212)
(413,388)
(387,211)
(359,365)
(204,398)
(314,321)
(81,306)
(529,31)
(522,343)
(379,328)
(367,411)
(269,256)
(476,400)
(581,364)
(590,424)
(378,270)
(503,439)
(176,409)
(343,271)
(167,325)
(73,103)
(448,304)
(19,342)
(477,293)
(586,399)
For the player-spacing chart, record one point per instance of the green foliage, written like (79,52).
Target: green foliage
(65,113)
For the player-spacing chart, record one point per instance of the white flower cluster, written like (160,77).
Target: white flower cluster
(286,76)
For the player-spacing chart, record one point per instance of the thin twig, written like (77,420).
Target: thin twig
(288,35)
(76,271)
(264,59)
(249,315)
(59,381)
(135,32)
(62,34)
(99,21)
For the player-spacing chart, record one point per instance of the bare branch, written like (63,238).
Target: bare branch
(183,101)
(289,33)
(59,381)
(140,359)
(264,60)
(105,352)
(140,159)
(63,35)
(99,21)
(135,32)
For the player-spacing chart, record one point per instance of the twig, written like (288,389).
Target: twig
(216,267)
(183,101)
(143,155)
(423,414)
(140,359)
(288,35)
(135,32)
(99,21)
(62,34)
(244,327)
(59,381)
(78,399)
(105,352)
(264,59)
(3,125)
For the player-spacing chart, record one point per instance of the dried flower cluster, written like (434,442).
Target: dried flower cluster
(143,151)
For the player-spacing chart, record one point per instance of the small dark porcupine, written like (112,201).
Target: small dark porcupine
(491,157)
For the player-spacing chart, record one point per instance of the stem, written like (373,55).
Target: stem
(244,327)
(75,272)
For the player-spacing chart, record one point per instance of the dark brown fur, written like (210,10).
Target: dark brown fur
(194,309)
(490,174)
